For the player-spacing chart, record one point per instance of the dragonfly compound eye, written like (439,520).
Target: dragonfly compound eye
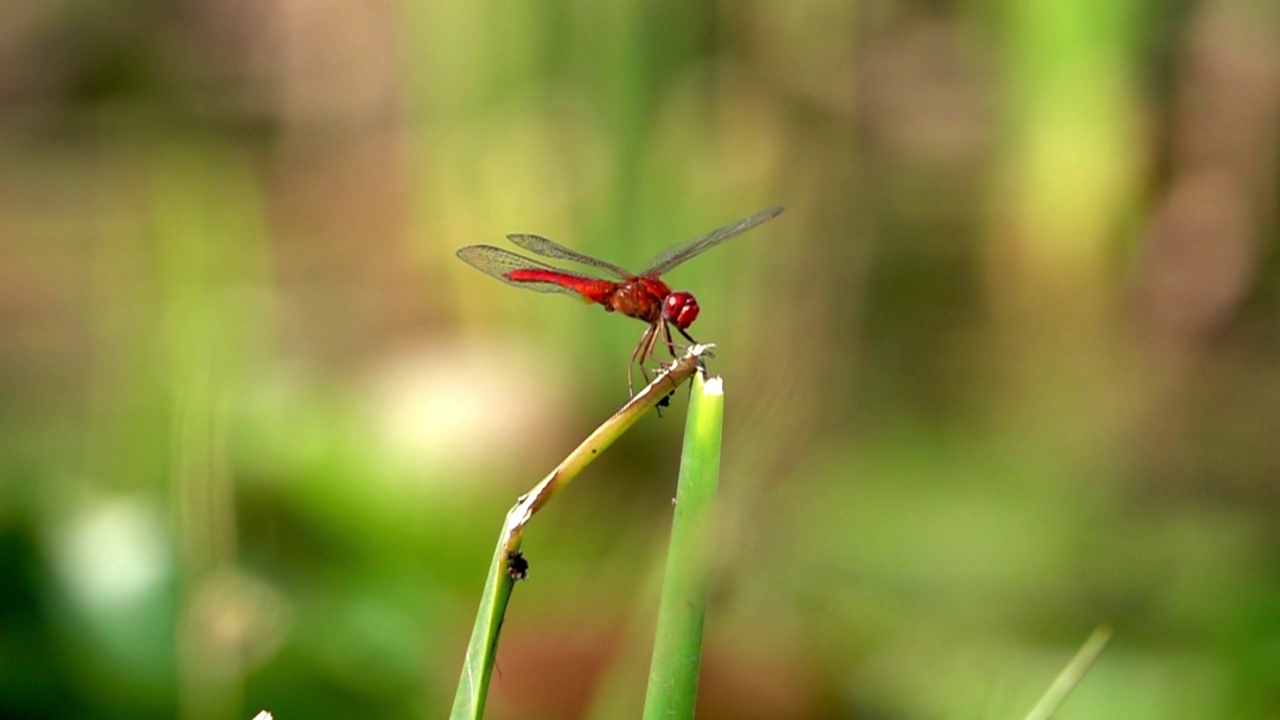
(681,309)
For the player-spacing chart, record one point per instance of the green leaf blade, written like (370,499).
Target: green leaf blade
(677,651)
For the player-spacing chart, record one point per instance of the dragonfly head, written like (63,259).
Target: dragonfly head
(680,308)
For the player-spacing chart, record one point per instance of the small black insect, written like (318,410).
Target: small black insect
(517,566)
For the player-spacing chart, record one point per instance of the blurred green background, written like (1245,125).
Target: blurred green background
(1006,369)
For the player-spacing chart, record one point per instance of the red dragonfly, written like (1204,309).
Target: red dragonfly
(643,296)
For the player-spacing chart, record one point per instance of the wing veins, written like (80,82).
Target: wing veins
(496,263)
(549,248)
(677,254)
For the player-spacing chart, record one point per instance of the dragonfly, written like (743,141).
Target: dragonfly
(643,295)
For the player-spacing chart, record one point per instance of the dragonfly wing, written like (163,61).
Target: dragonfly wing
(673,256)
(540,277)
(549,248)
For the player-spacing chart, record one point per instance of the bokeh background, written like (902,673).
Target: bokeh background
(1008,367)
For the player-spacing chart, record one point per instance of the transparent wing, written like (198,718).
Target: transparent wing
(673,256)
(549,248)
(498,263)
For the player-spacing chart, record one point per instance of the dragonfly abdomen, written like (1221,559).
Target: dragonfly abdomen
(593,289)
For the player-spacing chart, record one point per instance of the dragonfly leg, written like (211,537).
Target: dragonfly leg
(664,334)
(637,359)
(672,346)
(647,352)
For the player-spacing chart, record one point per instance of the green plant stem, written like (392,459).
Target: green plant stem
(677,650)
(1070,675)
(477,666)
